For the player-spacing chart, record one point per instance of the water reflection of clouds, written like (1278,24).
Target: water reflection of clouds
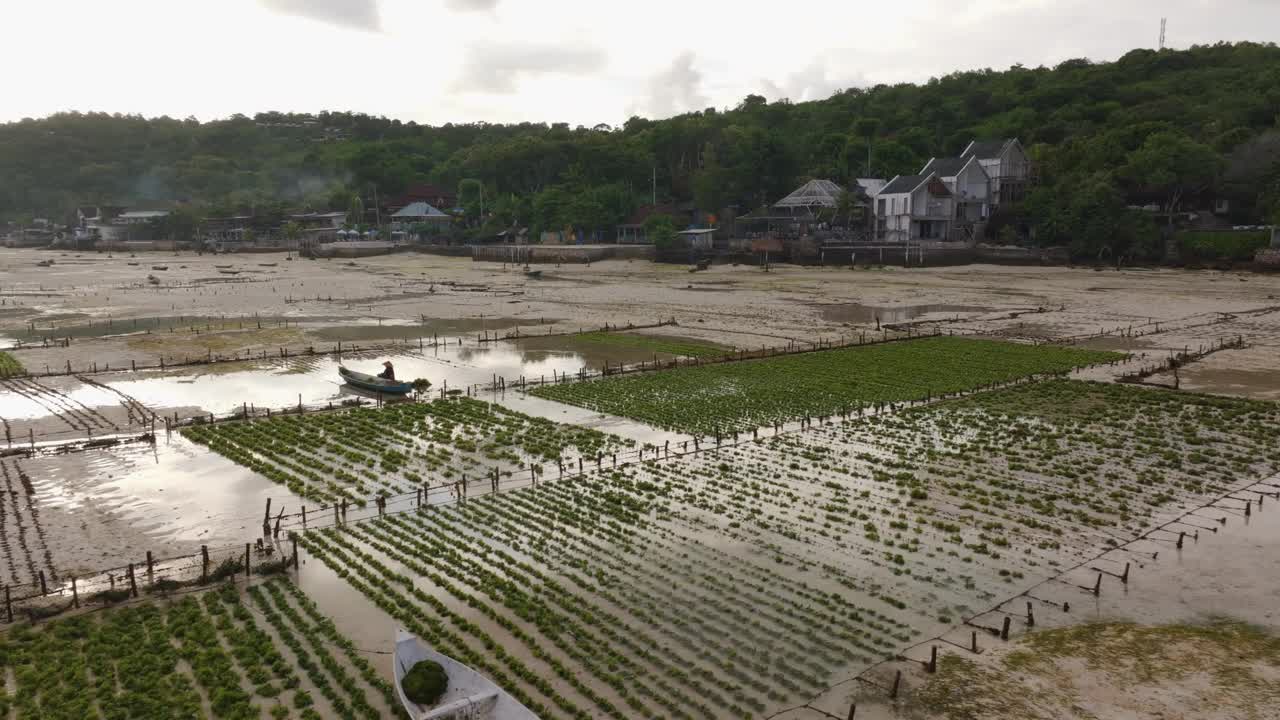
(174,488)
(312,381)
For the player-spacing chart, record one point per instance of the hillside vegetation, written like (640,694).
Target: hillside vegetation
(1151,127)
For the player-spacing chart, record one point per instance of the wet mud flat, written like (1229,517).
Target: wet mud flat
(70,514)
(754,577)
(747,308)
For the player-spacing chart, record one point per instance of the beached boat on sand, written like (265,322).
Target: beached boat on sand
(470,695)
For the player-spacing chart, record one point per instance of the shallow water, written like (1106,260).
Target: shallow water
(180,493)
(26,405)
(314,381)
(176,323)
(862,314)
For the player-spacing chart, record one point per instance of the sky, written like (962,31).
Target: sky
(578,61)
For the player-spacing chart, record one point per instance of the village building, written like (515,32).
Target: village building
(912,208)
(419,220)
(698,240)
(317,227)
(1006,164)
(140,217)
(40,233)
(811,207)
(970,186)
(632,231)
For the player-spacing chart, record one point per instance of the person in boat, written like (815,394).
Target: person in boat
(388,371)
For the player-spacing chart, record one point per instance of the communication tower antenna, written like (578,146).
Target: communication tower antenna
(1163,22)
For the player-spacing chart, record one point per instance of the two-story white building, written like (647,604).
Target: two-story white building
(914,207)
(1006,163)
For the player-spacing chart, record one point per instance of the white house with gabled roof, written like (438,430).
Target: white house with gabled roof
(914,207)
(969,184)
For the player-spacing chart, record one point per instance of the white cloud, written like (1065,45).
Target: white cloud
(580,61)
(359,14)
(471,5)
(815,81)
(498,67)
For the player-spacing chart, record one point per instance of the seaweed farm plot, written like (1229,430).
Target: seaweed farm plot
(941,509)
(589,606)
(723,398)
(9,366)
(354,454)
(215,654)
(738,581)
(23,546)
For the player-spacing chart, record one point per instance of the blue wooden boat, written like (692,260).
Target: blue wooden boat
(373,383)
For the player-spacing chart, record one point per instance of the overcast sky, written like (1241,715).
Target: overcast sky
(577,61)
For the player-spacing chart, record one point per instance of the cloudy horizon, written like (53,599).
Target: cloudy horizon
(574,61)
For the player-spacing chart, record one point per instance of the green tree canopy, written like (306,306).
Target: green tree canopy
(660,230)
(1145,119)
(1171,164)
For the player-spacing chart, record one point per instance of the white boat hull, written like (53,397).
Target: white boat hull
(470,696)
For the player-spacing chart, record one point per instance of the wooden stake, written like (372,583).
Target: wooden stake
(44,590)
(8,604)
(133,582)
(204,564)
(897,680)
(295,552)
(246,559)
(75,594)
(973,642)
(1004,631)
(933,659)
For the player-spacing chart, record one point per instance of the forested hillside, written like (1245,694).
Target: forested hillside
(1151,127)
